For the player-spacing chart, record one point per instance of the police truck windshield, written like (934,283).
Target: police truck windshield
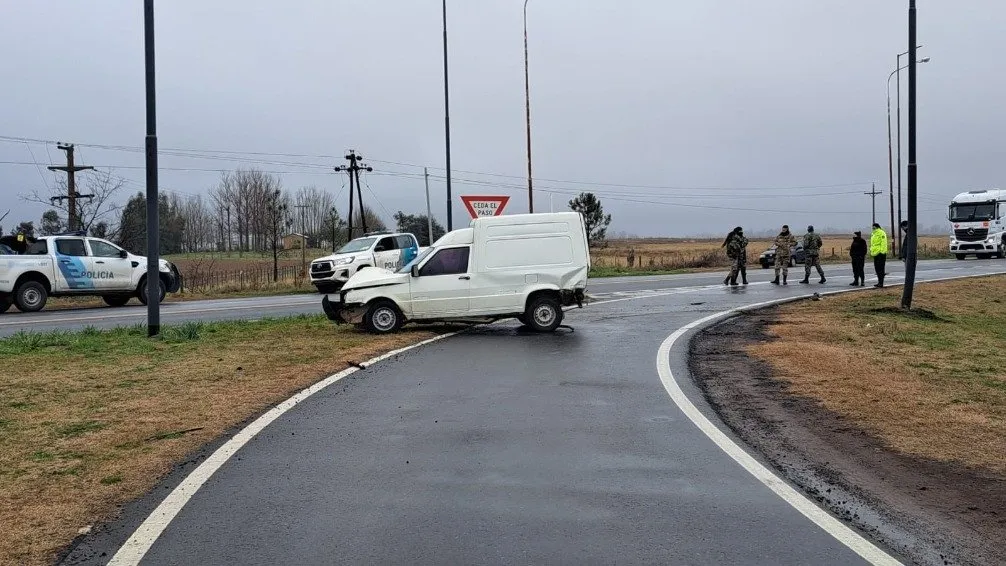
(972,212)
(357,245)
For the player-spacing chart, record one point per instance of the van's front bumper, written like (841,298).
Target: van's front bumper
(341,313)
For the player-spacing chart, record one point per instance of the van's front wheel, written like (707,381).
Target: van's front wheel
(543,314)
(383,317)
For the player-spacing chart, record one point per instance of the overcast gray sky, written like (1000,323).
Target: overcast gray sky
(732,103)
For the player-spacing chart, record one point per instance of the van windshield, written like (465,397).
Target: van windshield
(972,212)
(422,255)
(357,245)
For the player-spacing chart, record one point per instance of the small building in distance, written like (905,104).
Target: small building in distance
(294,241)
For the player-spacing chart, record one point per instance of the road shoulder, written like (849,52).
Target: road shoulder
(929,511)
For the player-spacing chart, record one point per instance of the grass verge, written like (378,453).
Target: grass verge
(91,420)
(929,383)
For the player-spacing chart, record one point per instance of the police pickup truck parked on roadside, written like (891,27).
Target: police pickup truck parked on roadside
(73,264)
(378,249)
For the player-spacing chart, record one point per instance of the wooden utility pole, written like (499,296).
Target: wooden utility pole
(354,168)
(873,194)
(71,193)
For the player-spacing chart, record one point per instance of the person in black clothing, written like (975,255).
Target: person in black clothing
(857,251)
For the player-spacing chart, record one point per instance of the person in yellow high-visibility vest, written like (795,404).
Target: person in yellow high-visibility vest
(878,251)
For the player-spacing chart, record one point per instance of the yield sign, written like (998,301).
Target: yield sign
(485,205)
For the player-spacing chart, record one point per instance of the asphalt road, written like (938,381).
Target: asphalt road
(497,446)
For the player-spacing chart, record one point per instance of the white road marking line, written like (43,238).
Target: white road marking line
(139,543)
(844,534)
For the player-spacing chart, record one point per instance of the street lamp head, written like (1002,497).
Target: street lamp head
(924,60)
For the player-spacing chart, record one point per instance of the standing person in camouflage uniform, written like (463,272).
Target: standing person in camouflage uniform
(737,251)
(784,243)
(812,251)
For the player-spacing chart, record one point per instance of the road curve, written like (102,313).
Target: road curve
(497,446)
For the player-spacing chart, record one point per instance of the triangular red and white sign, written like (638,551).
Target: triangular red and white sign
(485,205)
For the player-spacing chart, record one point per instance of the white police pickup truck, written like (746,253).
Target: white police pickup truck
(73,264)
(378,249)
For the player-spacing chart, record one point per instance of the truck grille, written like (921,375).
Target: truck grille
(321,270)
(971,234)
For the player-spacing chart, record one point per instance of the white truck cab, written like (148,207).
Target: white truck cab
(978,225)
(524,266)
(386,250)
(74,264)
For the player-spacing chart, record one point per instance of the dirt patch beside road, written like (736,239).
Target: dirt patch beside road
(894,442)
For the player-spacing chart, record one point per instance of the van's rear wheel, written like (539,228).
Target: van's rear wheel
(31,296)
(383,317)
(543,314)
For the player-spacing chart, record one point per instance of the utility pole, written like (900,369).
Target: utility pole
(873,193)
(913,179)
(447,128)
(527,109)
(277,211)
(71,185)
(429,214)
(353,169)
(334,228)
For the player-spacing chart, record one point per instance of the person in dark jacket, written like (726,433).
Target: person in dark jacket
(857,251)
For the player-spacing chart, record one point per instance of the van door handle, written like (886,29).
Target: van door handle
(465,277)
(99,261)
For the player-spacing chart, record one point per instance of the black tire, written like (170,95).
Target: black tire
(960,256)
(792,261)
(141,291)
(115,300)
(30,296)
(383,317)
(5,302)
(543,313)
(327,289)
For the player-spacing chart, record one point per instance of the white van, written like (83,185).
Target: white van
(524,266)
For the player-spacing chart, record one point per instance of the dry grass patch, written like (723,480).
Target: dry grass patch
(930,384)
(91,420)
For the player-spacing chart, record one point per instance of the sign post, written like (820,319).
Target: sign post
(485,205)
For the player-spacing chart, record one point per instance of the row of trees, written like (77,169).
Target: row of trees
(247,211)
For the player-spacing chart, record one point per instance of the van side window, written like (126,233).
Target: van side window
(450,261)
(71,247)
(405,242)
(386,245)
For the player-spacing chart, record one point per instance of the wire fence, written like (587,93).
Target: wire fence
(255,278)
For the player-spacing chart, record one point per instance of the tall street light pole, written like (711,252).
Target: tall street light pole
(153,236)
(899,67)
(913,179)
(895,231)
(447,127)
(527,109)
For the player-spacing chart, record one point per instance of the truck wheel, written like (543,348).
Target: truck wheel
(5,303)
(960,256)
(141,292)
(792,261)
(383,317)
(31,296)
(543,314)
(115,300)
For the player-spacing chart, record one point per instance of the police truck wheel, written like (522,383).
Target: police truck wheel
(960,256)
(383,317)
(543,314)
(31,296)
(115,300)
(141,293)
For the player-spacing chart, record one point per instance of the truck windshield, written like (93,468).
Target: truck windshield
(972,212)
(357,245)
(422,255)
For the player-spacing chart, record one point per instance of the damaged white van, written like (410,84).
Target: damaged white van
(524,266)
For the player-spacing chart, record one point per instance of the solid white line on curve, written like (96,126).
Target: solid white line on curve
(841,532)
(136,547)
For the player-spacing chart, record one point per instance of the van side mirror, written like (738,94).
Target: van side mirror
(123,254)
(415,271)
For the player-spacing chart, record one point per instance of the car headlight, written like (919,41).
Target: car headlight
(344,260)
